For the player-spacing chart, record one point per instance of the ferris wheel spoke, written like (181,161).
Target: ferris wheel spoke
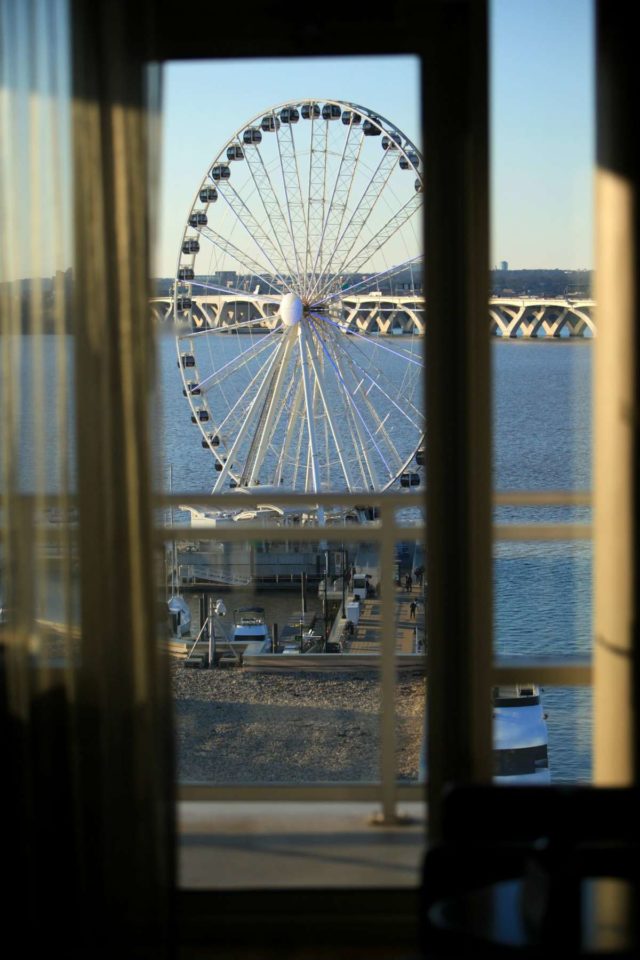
(278,435)
(358,220)
(359,418)
(270,201)
(250,265)
(247,390)
(330,419)
(267,422)
(236,363)
(228,328)
(316,187)
(294,416)
(293,196)
(406,389)
(255,323)
(297,462)
(374,382)
(373,281)
(347,418)
(380,375)
(384,234)
(263,242)
(254,409)
(359,462)
(361,447)
(380,428)
(374,341)
(361,391)
(339,197)
(308,403)
(316,225)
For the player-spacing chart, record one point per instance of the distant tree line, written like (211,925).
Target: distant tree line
(519,283)
(542,283)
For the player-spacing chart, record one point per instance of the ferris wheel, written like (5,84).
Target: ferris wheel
(304,239)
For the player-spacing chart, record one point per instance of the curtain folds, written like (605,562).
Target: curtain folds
(84,685)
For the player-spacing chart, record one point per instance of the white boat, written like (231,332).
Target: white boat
(180,614)
(250,626)
(520,736)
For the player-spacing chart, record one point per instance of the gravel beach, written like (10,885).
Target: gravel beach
(233,727)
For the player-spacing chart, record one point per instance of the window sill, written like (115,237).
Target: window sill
(285,846)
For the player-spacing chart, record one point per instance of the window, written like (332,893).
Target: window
(116,696)
(543,321)
(317,421)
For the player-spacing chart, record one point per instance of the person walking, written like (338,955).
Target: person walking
(412,609)
(409,583)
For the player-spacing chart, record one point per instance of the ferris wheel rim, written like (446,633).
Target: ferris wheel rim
(403,147)
(382,123)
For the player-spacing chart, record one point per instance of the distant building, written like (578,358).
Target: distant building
(504,264)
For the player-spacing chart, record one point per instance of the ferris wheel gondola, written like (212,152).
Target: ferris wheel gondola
(299,221)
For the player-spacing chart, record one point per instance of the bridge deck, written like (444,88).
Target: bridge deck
(525,318)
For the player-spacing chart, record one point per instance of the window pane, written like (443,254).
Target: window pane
(291,314)
(284,699)
(542,321)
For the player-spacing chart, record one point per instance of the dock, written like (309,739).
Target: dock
(409,633)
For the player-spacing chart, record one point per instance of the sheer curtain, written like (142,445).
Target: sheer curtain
(88,771)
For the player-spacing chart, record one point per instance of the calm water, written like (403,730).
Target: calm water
(543,591)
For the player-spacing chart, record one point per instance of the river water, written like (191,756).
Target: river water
(543,591)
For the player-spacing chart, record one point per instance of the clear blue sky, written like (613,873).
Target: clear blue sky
(542,125)
(205,103)
(542,144)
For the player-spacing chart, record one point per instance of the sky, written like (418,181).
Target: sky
(542,125)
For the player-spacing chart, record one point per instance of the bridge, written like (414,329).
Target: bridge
(382,314)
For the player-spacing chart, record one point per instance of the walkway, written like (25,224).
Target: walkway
(369,628)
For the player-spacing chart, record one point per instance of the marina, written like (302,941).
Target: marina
(328,611)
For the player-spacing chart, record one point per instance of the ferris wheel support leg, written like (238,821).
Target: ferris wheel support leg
(270,413)
(362,445)
(253,410)
(308,402)
(336,438)
(293,423)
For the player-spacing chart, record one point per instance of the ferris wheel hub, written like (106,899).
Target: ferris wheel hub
(291,309)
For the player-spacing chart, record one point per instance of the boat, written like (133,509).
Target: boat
(180,615)
(520,736)
(250,626)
